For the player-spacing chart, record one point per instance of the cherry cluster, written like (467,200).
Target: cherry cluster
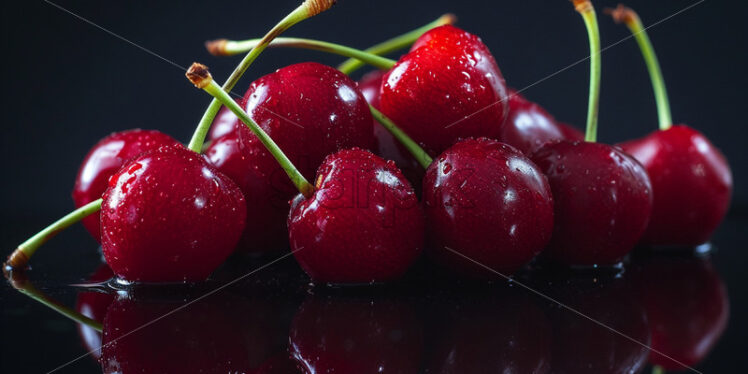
(432,153)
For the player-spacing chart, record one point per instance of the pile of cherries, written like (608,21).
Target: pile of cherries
(498,181)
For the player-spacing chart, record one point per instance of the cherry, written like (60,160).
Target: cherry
(356,336)
(104,159)
(169,216)
(359,223)
(362,224)
(94,304)
(224,123)
(691,179)
(490,203)
(687,307)
(528,126)
(602,196)
(448,87)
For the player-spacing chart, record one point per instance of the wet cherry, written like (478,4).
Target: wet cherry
(169,216)
(448,87)
(489,202)
(104,159)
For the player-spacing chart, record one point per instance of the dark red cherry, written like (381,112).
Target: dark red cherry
(104,159)
(356,336)
(240,156)
(687,307)
(448,87)
(488,201)
(94,304)
(691,181)
(602,201)
(169,216)
(224,123)
(363,224)
(528,126)
(310,110)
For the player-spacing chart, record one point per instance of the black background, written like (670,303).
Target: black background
(67,84)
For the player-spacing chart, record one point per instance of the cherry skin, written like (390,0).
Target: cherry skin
(687,306)
(363,223)
(528,126)
(602,201)
(448,87)
(224,123)
(489,202)
(94,304)
(692,184)
(169,216)
(104,159)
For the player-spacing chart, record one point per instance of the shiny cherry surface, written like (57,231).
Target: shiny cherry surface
(363,224)
(94,304)
(104,159)
(528,126)
(225,122)
(602,201)
(448,87)
(169,216)
(691,181)
(489,202)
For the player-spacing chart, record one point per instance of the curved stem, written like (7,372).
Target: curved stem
(396,43)
(230,47)
(418,153)
(634,23)
(306,10)
(585,8)
(21,256)
(198,74)
(24,286)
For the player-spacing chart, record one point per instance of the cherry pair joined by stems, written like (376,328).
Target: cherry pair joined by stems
(691,179)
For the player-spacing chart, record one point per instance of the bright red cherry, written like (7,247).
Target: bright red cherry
(602,201)
(687,307)
(224,123)
(94,304)
(104,159)
(356,336)
(448,87)
(362,224)
(528,126)
(169,216)
(489,202)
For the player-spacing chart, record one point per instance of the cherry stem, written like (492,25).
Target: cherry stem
(199,75)
(418,153)
(658,370)
(625,15)
(585,8)
(307,9)
(229,47)
(21,256)
(20,282)
(396,43)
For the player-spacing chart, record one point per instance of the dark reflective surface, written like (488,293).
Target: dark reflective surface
(272,321)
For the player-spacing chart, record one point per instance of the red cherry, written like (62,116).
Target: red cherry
(104,159)
(363,223)
(356,336)
(528,126)
(448,87)
(687,307)
(691,181)
(94,304)
(602,201)
(489,202)
(169,216)
(224,123)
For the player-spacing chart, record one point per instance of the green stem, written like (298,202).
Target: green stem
(24,286)
(585,8)
(20,257)
(658,370)
(230,47)
(634,23)
(418,153)
(202,79)
(396,43)
(306,10)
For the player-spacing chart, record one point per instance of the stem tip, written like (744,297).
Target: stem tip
(216,47)
(16,260)
(583,6)
(199,75)
(621,14)
(448,19)
(315,7)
